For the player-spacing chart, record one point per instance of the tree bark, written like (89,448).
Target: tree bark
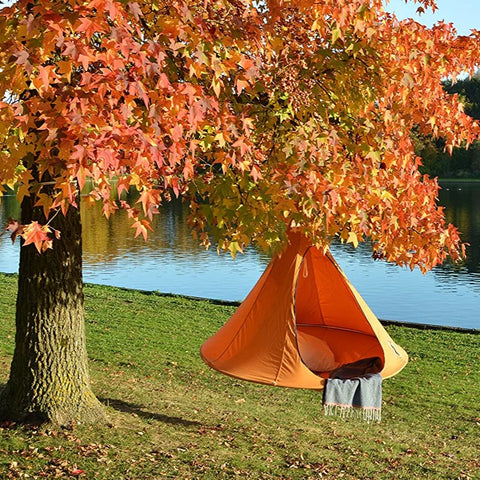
(49,379)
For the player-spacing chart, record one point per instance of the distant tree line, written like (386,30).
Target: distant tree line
(463,163)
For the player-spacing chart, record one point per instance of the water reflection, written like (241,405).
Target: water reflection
(399,294)
(9,208)
(462,208)
(171,261)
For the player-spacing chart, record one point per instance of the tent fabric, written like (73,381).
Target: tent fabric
(303,301)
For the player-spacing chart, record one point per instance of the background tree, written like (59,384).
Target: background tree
(263,116)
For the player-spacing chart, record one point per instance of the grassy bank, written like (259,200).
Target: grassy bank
(172,417)
(448,181)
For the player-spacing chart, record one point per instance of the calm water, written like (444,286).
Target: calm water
(171,261)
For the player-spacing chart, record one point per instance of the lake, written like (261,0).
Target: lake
(172,262)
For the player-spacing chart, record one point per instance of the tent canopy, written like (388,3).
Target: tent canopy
(302,320)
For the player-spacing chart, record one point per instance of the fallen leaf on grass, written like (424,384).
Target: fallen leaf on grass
(76,472)
(7,424)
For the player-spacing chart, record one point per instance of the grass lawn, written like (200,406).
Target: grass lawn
(172,417)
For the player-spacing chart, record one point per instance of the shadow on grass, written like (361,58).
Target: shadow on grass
(136,409)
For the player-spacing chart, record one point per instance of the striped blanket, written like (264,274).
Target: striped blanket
(355,391)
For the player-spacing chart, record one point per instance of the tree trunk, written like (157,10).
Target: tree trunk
(49,380)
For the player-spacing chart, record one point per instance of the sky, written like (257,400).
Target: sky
(464,14)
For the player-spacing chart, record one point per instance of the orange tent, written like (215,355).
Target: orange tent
(302,320)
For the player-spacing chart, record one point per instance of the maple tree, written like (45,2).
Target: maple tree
(264,116)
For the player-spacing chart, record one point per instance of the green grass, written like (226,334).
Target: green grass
(172,417)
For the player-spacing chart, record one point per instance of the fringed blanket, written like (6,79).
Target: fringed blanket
(354,391)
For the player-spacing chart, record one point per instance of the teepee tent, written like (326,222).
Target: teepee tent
(302,320)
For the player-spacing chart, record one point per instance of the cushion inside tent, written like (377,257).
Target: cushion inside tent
(331,326)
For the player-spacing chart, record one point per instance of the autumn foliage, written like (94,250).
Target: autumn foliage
(265,116)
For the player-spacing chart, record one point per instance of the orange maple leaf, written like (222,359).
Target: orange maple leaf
(142,227)
(38,235)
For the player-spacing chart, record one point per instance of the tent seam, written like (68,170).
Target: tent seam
(295,307)
(318,297)
(294,317)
